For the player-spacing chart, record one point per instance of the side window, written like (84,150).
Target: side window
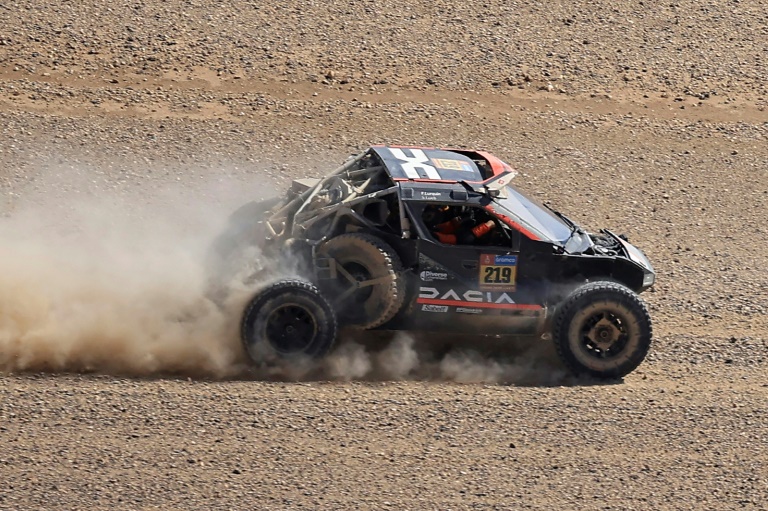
(466,225)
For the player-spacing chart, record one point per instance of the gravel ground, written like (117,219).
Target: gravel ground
(127,132)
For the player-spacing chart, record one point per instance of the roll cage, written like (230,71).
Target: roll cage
(365,191)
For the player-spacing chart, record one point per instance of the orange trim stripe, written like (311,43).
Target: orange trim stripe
(480,305)
(497,166)
(528,234)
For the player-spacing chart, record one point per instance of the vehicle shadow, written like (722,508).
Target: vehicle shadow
(392,357)
(378,357)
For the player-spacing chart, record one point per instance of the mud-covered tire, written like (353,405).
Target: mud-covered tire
(366,258)
(289,318)
(602,329)
(231,252)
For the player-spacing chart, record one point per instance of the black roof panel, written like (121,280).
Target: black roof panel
(428,163)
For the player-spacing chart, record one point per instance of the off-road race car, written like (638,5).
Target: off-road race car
(424,239)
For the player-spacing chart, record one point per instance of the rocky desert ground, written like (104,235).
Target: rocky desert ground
(128,131)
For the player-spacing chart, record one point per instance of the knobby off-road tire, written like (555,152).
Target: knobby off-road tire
(230,256)
(602,329)
(376,269)
(289,318)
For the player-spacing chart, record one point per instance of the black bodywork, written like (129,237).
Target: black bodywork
(506,282)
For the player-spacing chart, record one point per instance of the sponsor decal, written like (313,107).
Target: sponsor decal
(498,272)
(434,308)
(452,165)
(429,276)
(506,260)
(471,298)
(471,295)
(468,310)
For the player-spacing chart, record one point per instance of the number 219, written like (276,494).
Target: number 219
(498,275)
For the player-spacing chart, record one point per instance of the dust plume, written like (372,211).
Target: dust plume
(417,357)
(111,282)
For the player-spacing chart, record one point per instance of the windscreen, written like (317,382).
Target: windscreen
(534,215)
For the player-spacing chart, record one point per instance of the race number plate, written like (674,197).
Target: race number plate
(498,272)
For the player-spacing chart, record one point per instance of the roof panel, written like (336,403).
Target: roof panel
(428,163)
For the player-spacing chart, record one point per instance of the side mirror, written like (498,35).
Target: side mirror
(495,186)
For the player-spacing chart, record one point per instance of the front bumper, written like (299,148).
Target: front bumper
(637,256)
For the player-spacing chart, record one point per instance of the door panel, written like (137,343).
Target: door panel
(472,287)
(474,290)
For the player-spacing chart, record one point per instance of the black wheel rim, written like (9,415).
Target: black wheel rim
(604,335)
(360,273)
(291,328)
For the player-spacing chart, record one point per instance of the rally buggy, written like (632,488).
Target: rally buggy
(428,239)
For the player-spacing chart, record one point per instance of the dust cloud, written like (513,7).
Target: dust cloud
(111,281)
(114,282)
(417,357)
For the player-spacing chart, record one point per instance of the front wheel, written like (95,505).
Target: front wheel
(602,329)
(289,318)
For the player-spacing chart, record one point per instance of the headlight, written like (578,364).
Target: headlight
(649,279)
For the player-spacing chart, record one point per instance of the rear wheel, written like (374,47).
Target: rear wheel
(369,288)
(289,318)
(602,329)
